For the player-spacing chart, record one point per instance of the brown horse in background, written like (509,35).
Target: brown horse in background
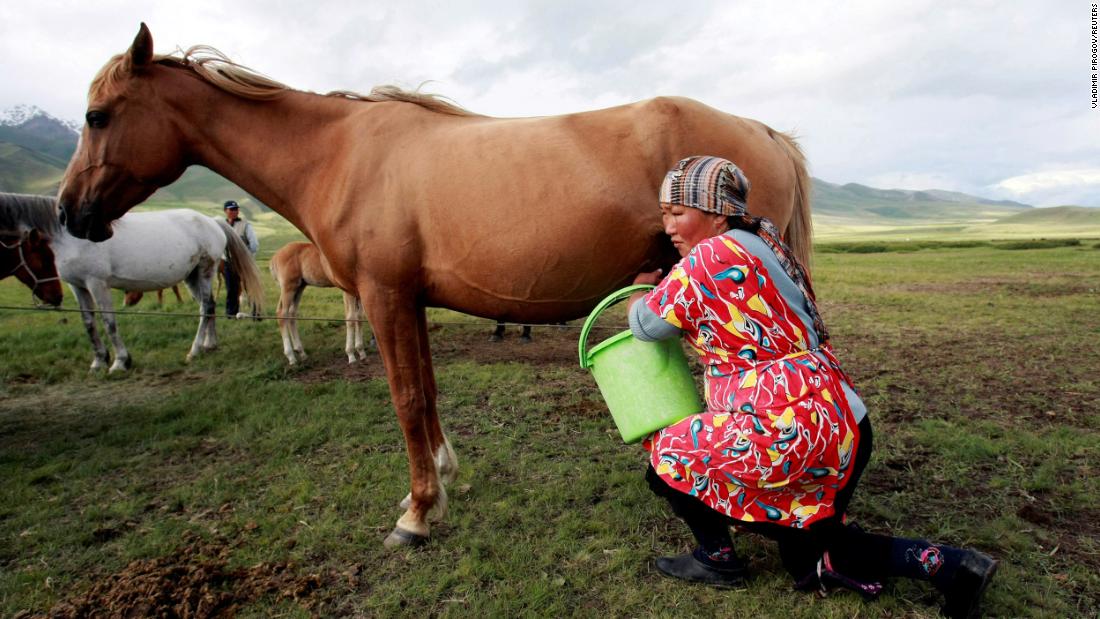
(25,252)
(416,202)
(133,297)
(295,266)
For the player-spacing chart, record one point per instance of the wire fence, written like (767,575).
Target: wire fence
(477,322)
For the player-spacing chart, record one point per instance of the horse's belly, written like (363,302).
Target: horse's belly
(542,285)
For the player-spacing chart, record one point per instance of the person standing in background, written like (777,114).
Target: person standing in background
(232,279)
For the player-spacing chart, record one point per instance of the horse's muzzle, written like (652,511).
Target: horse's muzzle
(84,224)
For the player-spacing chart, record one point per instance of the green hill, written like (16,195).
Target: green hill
(27,171)
(863,205)
(203,186)
(1053,221)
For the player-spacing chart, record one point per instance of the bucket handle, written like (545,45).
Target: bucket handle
(610,300)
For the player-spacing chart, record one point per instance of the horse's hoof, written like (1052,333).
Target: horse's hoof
(400,537)
(496,338)
(118,367)
(352,360)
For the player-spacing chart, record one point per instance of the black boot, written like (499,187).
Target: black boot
(963,592)
(687,567)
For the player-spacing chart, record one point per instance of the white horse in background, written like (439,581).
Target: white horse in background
(151,251)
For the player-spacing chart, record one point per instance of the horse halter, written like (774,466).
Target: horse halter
(18,246)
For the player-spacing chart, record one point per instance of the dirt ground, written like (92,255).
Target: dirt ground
(192,583)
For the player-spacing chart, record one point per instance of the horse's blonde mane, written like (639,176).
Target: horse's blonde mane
(21,213)
(218,70)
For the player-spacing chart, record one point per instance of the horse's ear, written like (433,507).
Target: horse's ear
(141,52)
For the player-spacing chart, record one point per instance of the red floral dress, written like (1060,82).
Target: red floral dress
(776,441)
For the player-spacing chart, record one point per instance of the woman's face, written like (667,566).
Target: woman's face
(687,226)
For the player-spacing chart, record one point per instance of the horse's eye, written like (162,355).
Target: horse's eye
(96,119)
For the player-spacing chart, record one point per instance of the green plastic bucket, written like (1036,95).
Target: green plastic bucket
(646,385)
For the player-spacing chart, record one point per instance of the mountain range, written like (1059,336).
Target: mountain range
(35,148)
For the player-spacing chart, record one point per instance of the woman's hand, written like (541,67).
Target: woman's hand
(652,278)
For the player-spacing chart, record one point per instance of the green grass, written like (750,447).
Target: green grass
(978,365)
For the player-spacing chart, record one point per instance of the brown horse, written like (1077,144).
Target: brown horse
(26,228)
(133,297)
(416,202)
(295,266)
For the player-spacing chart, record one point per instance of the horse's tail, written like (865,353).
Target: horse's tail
(245,265)
(800,231)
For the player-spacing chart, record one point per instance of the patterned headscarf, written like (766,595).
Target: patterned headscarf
(716,185)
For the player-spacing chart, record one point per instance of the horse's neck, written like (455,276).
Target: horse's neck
(68,250)
(271,149)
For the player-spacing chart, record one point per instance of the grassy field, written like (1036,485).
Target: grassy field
(1061,222)
(237,483)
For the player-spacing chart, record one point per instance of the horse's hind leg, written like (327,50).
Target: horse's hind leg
(281,310)
(102,295)
(292,313)
(353,315)
(87,315)
(209,311)
(200,281)
(360,349)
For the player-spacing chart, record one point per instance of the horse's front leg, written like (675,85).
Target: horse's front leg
(102,295)
(446,462)
(399,344)
(87,314)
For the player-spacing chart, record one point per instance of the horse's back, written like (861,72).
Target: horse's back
(300,261)
(552,212)
(152,250)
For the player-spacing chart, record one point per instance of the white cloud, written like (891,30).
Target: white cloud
(1079,186)
(959,95)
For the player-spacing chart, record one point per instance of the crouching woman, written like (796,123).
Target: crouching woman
(783,441)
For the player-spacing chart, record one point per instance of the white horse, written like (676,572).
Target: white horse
(151,251)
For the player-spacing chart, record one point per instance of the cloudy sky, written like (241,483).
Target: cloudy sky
(990,98)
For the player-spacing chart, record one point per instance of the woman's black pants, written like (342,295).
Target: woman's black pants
(799,549)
